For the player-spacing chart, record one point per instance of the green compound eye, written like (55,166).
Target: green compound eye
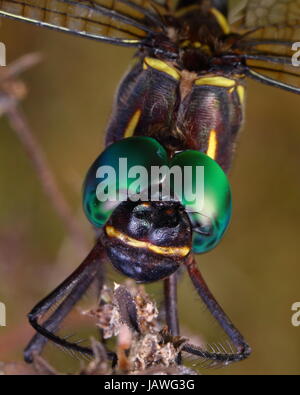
(210,211)
(137,154)
(198,182)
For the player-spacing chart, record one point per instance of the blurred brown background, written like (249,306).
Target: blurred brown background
(254,273)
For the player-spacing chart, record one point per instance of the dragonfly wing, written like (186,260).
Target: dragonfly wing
(123,22)
(258,13)
(269,30)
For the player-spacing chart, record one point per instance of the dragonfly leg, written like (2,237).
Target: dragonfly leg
(219,353)
(170,293)
(68,292)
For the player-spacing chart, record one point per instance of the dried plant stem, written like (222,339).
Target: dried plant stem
(20,126)
(19,66)
(12,91)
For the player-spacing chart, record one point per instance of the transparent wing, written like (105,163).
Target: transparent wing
(123,22)
(260,13)
(269,28)
(272,68)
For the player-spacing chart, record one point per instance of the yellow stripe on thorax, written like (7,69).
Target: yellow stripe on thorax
(241,92)
(224,82)
(130,129)
(212,144)
(161,66)
(175,251)
(217,80)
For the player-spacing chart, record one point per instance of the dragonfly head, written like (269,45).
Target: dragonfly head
(155,209)
(148,241)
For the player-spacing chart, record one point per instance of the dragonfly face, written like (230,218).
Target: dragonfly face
(148,241)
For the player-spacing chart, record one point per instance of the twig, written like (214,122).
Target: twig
(11,92)
(19,125)
(152,351)
(19,66)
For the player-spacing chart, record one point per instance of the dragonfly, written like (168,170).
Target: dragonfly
(181,103)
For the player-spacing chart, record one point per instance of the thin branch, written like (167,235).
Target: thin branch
(11,92)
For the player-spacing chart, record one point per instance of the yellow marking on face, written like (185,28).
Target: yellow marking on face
(231,90)
(129,131)
(241,92)
(212,144)
(175,251)
(221,20)
(161,66)
(216,81)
